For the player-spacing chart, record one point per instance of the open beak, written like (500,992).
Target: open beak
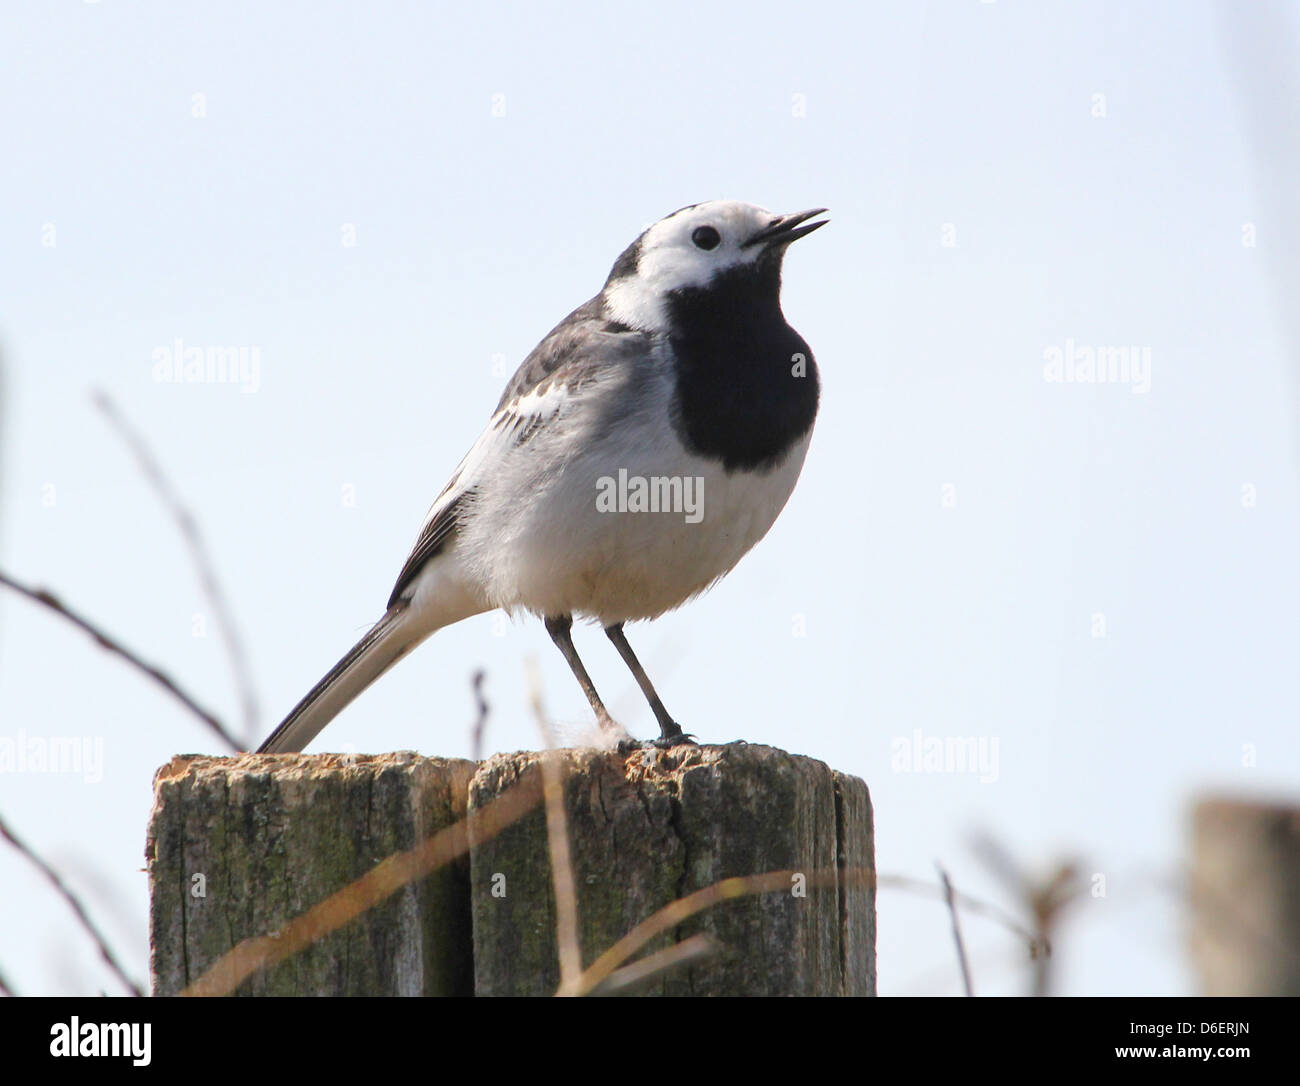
(786,229)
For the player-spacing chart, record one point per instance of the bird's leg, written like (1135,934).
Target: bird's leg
(670,732)
(558,627)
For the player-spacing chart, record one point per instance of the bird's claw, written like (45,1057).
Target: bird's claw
(662,742)
(680,739)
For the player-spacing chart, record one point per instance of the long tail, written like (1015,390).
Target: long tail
(391,638)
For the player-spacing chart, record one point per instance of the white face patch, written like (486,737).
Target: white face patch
(670,258)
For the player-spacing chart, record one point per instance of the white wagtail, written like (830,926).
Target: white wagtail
(681,377)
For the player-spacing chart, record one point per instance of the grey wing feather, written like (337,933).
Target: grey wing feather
(566,343)
(433,538)
(573,351)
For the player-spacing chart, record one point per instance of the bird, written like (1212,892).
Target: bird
(639,452)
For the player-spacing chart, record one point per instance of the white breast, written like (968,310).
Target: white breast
(555,528)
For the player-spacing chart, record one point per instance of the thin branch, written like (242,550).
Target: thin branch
(557,840)
(683,908)
(655,965)
(380,882)
(198,549)
(566,897)
(950,897)
(970,904)
(480,725)
(1044,899)
(105,641)
(53,877)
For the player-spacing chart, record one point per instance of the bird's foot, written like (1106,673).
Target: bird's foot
(677,738)
(667,741)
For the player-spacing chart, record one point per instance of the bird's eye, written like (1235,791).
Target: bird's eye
(705,237)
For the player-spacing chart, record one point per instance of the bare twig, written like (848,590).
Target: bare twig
(203,565)
(970,904)
(480,725)
(380,882)
(105,641)
(1044,899)
(683,908)
(557,840)
(655,965)
(950,897)
(83,917)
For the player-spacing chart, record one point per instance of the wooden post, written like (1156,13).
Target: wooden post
(1245,896)
(651,827)
(240,846)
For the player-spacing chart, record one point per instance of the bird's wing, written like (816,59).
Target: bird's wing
(546,387)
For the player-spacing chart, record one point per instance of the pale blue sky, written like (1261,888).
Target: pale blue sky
(960,522)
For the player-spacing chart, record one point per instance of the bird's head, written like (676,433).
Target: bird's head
(697,249)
